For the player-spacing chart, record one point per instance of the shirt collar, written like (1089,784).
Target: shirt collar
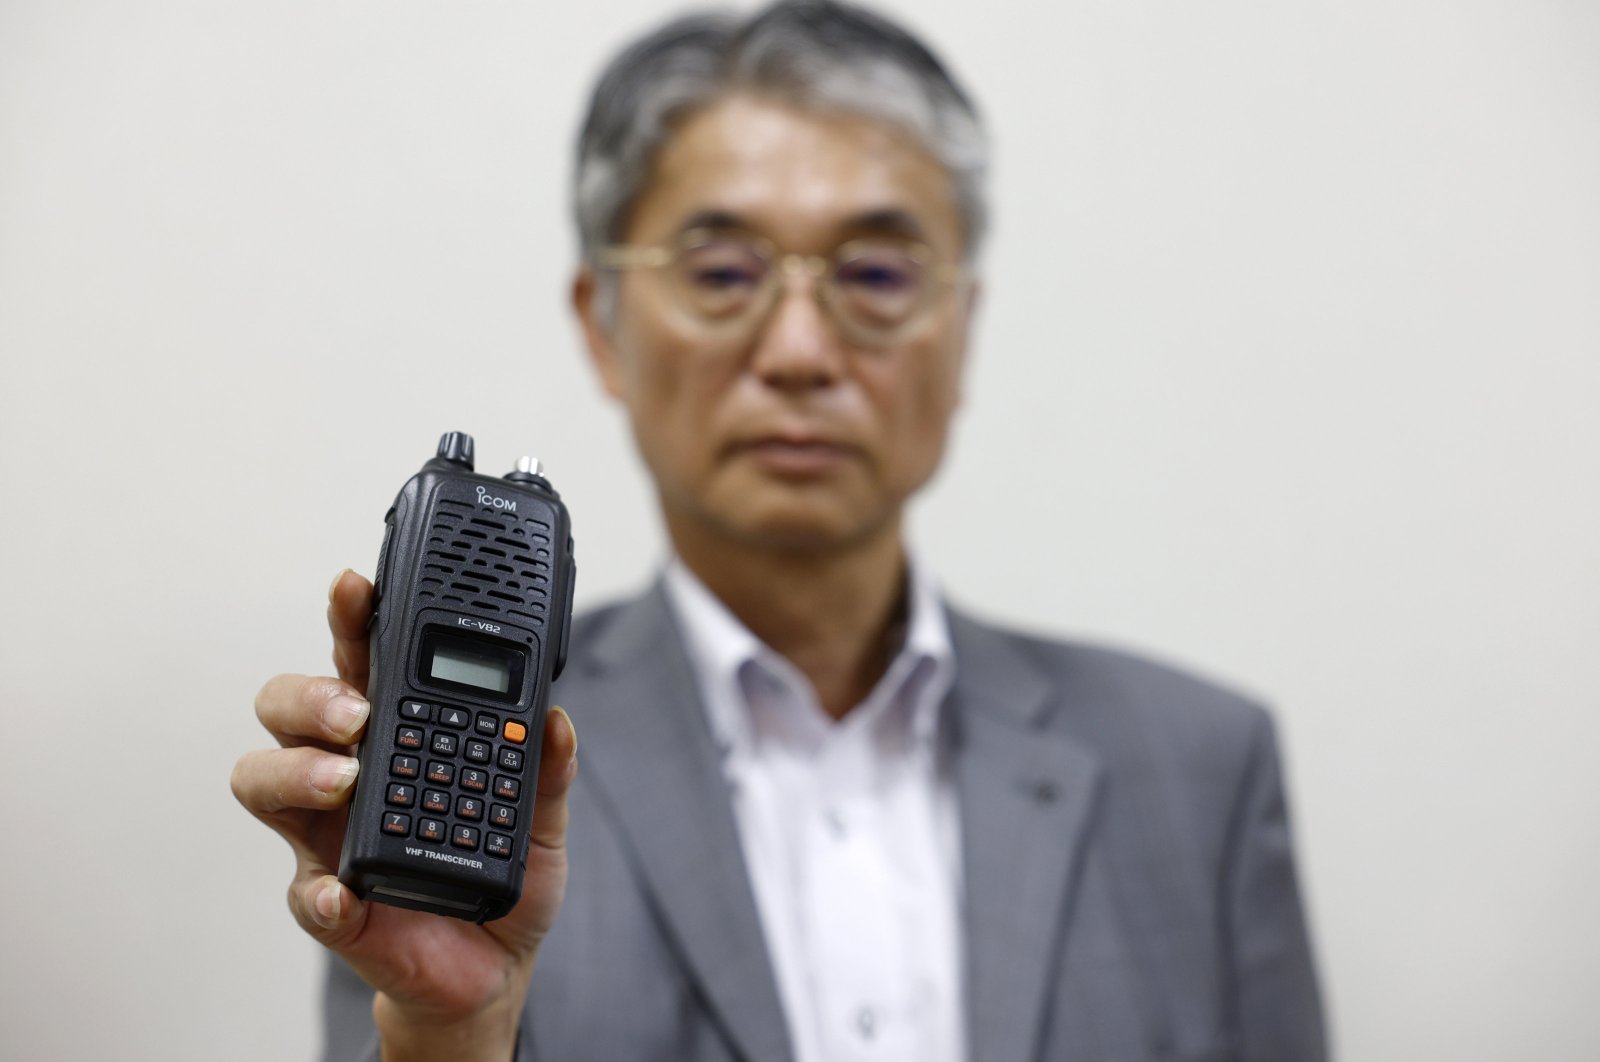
(720,646)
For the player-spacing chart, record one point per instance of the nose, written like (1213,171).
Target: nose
(798,347)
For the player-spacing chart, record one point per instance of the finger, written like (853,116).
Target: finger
(295,709)
(558,766)
(349,610)
(268,781)
(325,907)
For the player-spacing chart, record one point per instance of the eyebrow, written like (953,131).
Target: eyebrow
(890,221)
(712,219)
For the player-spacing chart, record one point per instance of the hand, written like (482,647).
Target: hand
(443,984)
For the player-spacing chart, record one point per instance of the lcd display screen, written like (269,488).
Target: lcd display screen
(471,668)
(486,666)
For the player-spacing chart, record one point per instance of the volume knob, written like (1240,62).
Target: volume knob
(456,447)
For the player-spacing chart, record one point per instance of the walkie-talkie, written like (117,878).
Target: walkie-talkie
(472,603)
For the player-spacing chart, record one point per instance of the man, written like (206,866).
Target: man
(821,816)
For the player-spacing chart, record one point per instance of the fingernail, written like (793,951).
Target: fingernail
(335,584)
(333,774)
(345,714)
(325,907)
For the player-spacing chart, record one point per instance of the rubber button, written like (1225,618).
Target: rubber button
(516,732)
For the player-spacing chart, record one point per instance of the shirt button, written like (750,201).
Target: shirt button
(835,823)
(867,1022)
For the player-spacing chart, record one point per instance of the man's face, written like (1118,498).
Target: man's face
(787,435)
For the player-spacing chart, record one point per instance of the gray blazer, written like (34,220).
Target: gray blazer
(1129,888)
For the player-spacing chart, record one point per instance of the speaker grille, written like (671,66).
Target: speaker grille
(487,560)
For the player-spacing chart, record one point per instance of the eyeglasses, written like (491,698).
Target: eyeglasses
(876,290)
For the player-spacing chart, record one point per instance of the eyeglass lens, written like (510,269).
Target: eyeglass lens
(873,287)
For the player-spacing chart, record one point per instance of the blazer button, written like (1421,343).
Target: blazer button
(1043,791)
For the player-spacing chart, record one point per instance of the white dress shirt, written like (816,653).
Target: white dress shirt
(850,833)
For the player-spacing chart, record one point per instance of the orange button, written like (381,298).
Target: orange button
(516,732)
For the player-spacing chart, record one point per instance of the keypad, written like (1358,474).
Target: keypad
(448,780)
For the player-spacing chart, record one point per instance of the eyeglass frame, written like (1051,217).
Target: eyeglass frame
(819,269)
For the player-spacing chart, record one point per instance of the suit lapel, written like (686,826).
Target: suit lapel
(1027,799)
(656,769)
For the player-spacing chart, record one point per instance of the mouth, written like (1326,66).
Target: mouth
(795,456)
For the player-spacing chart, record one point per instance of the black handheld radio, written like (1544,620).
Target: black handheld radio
(472,602)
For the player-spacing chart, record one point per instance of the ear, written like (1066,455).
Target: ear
(596,333)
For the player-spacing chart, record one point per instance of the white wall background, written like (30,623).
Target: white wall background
(1289,368)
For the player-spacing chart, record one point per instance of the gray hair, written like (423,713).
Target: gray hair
(813,53)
